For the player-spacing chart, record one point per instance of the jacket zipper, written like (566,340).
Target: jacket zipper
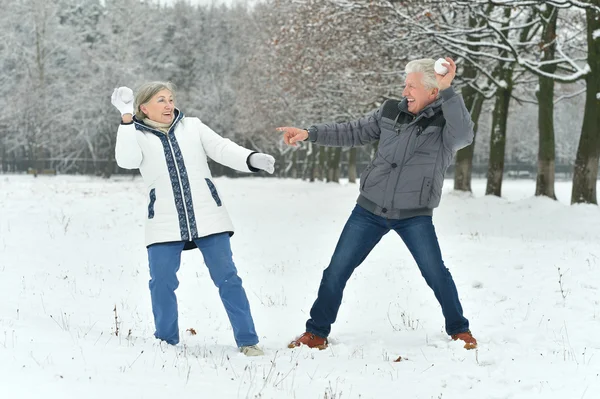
(400,167)
(187,218)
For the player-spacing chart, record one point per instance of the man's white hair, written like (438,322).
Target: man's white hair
(426,67)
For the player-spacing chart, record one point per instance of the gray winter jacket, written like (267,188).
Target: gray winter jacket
(406,176)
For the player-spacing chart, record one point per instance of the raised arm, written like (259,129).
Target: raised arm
(128,153)
(458,130)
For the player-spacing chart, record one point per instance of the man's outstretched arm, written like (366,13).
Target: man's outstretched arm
(348,134)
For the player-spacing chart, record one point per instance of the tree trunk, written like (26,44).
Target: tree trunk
(464,157)
(503,72)
(588,152)
(546,150)
(33,163)
(329,173)
(498,142)
(312,161)
(294,170)
(352,165)
(333,171)
(109,168)
(337,164)
(4,157)
(303,167)
(322,170)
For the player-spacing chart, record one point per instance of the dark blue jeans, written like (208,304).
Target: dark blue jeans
(362,232)
(165,259)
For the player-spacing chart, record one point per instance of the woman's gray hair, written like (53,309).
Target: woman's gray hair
(426,67)
(146,92)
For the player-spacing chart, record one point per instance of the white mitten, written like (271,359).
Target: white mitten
(263,161)
(122,99)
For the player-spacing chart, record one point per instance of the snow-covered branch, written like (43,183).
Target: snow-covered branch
(567,96)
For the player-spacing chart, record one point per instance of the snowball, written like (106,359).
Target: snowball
(439,68)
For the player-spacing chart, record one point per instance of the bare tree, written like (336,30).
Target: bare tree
(545,96)
(588,153)
(473,98)
(329,60)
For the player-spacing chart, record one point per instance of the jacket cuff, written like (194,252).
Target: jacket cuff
(252,168)
(128,123)
(313,134)
(448,93)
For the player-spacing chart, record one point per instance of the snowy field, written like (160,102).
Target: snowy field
(72,252)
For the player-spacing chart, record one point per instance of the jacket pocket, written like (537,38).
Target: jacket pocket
(213,192)
(426,144)
(151,203)
(425,191)
(366,173)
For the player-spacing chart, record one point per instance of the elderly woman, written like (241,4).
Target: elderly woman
(185,210)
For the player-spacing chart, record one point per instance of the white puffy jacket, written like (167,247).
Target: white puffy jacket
(183,201)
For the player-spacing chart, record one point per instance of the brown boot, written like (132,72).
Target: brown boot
(467,337)
(310,340)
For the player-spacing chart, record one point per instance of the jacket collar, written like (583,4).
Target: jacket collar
(427,112)
(140,125)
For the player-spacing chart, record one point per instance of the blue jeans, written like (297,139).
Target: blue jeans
(362,232)
(165,258)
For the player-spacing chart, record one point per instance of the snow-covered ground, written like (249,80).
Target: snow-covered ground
(72,254)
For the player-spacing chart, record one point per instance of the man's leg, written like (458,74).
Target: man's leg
(164,260)
(419,236)
(362,232)
(216,250)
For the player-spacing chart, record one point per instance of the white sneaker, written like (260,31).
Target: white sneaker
(252,350)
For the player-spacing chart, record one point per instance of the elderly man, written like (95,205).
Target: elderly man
(418,138)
